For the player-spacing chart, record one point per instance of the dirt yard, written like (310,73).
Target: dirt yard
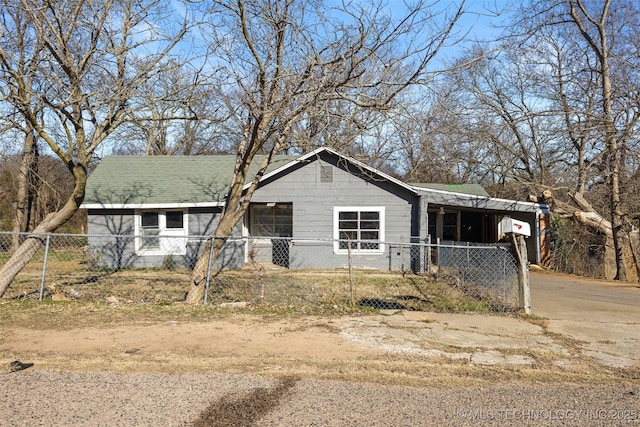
(247,369)
(233,341)
(256,369)
(124,364)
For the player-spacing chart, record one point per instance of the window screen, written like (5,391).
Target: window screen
(150,230)
(271,221)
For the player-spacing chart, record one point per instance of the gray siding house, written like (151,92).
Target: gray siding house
(310,211)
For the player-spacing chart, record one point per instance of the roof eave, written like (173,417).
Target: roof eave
(519,205)
(150,205)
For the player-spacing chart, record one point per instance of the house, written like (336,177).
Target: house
(358,210)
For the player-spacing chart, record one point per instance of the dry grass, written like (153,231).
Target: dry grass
(156,294)
(389,369)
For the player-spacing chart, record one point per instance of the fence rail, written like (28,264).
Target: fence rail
(159,268)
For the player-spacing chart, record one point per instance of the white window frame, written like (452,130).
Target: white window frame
(336,230)
(163,231)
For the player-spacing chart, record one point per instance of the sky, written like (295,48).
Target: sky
(476,23)
(480,21)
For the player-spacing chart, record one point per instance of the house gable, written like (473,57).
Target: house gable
(329,157)
(319,183)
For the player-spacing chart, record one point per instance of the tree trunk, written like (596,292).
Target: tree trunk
(202,268)
(634,243)
(620,240)
(228,220)
(30,246)
(235,206)
(27,177)
(620,237)
(589,217)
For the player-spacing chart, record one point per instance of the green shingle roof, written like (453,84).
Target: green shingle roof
(189,180)
(131,180)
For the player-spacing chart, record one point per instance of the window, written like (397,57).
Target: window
(150,227)
(271,220)
(450,226)
(360,229)
(432,227)
(161,232)
(175,219)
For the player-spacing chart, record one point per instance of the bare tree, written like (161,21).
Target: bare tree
(27,185)
(287,61)
(604,35)
(75,79)
(26,65)
(509,113)
(185,123)
(595,27)
(560,106)
(433,138)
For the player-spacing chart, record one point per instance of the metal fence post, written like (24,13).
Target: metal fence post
(468,258)
(350,272)
(438,257)
(44,266)
(427,261)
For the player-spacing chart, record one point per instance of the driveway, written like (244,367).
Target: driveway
(603,316)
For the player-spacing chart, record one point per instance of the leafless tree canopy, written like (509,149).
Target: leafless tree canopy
(290,68)
(70,72)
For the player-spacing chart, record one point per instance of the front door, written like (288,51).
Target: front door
(444,225)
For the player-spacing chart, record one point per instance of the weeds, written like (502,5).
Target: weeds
(140,296)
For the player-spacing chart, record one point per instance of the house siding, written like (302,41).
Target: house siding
(111,245)
(107,249)
(203,222)
(313,204)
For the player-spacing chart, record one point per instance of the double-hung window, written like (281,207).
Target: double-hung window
(161,232)
(150,230)
(358,229)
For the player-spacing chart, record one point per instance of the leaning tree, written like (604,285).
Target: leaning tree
(71,71)
(595,72)
(287,64)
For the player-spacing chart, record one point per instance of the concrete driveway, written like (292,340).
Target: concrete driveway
(572,316)
(603,316)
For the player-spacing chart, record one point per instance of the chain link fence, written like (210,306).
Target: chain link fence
(283,272)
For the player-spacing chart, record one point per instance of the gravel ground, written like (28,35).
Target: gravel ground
(50,398)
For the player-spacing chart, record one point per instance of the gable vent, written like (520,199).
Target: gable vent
(326,174)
